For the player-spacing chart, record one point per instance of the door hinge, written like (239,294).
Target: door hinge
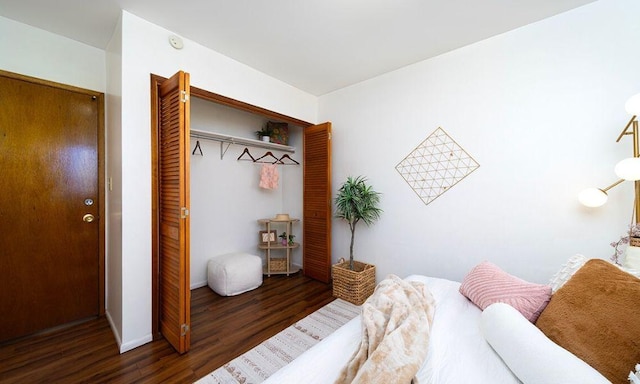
(185,96)
(184,328)
(184,212)
(329,135)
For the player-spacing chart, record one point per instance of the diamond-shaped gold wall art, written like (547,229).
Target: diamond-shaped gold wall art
(435,166)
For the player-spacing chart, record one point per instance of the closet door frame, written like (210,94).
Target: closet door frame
(212,97)
(242,106)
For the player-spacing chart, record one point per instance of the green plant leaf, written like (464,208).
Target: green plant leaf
(357,201)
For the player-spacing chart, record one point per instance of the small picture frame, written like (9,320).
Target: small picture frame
(268,237)
(279,132)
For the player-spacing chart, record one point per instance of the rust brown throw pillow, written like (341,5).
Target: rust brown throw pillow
(596,316)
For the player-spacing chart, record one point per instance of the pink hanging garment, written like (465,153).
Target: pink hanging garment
(269,176)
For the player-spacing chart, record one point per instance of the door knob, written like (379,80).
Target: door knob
(88,218)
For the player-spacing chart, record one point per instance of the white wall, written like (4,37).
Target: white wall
(38,53)
(539,108)
(226,200)
(113,262)
(145,50)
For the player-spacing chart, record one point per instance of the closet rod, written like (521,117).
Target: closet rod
(222,138)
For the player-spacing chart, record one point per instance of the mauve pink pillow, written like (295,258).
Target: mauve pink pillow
(486,284)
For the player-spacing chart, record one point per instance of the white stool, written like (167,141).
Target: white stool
(234,273)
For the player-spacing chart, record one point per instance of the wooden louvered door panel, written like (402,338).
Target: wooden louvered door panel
(173,205)
(317,202)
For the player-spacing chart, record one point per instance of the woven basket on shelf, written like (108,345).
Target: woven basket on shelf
(278,265)
(353,286)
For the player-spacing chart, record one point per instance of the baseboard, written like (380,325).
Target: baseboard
(135,343)
(126,346)
(113,329)
(198,284)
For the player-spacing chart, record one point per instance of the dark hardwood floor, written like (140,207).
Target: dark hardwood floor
(222,328)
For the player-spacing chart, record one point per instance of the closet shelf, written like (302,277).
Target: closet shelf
(222,138)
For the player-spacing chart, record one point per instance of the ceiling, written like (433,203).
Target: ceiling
(314,45)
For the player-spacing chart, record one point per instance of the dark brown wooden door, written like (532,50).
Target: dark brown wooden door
(317,212)
(49,254)
(173,208)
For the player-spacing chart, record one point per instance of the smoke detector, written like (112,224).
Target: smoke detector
(176,42)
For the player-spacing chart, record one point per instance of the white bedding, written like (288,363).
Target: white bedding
(529,353)
(458,353)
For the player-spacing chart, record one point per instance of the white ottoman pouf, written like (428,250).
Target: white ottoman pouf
(234,273)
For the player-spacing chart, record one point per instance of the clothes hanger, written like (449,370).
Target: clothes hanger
(246,150)
(268,154)
(197,148)
(285,156)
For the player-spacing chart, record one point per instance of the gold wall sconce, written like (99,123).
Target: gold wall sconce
(627,169)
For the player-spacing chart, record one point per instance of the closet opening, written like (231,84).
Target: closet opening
(223,162)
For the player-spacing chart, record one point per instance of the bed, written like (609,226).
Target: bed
(495,345)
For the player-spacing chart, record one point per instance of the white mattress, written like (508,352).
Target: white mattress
(457,351)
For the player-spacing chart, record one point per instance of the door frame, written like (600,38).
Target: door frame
(156,80)
(101,171)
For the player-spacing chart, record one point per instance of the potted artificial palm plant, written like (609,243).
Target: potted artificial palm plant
(264,134)
(356,201)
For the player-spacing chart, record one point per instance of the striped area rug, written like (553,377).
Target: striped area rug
(258,364)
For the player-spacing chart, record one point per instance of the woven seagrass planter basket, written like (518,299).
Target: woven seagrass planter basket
(353,286)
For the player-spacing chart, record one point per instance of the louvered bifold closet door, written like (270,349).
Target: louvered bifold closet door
(173,206)
(317,202)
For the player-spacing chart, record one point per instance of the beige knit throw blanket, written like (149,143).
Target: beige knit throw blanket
(396,325)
